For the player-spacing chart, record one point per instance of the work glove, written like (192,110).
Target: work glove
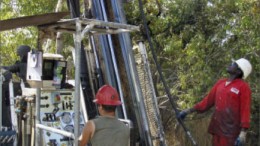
(241,140)
(181,115)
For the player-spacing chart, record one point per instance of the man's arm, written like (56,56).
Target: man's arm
(12,68)
(87,133)
(208,101)
(245,106)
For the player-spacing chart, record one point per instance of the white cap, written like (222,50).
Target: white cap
(245,66)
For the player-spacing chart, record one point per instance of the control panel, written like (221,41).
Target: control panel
(57,112)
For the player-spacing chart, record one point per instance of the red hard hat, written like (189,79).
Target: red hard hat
(107,95)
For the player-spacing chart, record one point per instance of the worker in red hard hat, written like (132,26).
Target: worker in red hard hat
(231,98)
(106,130)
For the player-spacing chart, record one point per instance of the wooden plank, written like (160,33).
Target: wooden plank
(31,20)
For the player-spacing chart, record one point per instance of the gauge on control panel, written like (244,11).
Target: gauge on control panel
(69,128)
(66,118)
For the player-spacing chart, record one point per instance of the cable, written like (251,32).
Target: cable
(161,75)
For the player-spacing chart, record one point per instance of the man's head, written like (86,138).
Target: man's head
(108,97)
(22,52)
(241,68)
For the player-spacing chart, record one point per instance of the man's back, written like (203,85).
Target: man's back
(110,131)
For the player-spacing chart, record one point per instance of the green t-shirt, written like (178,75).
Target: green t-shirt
(110,132)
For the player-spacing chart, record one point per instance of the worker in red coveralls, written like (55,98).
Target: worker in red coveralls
(231,98)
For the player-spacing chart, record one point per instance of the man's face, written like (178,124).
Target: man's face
(232,68)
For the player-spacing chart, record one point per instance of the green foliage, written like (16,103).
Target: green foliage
(194,41)
(11,39)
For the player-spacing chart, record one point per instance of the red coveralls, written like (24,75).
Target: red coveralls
(232,110)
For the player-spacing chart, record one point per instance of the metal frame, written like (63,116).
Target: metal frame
(79,27)
(153,97)
(100,27)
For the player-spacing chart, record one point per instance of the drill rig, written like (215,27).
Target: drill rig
(55,114)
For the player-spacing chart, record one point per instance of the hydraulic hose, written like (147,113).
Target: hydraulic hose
(166,88)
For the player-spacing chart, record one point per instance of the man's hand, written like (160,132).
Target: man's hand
(181,115)
(241,140)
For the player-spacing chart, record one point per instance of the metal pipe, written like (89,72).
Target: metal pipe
(107,60)
(133,77)
(82,100)
(101,23)
(83,105)
(13,114)
(85,30)
(61,132)
(38,133)
(114,63)
(76,55)
(99,74)
(24,131)
(28,125)
(78,37)
(33,124)
(109,72)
